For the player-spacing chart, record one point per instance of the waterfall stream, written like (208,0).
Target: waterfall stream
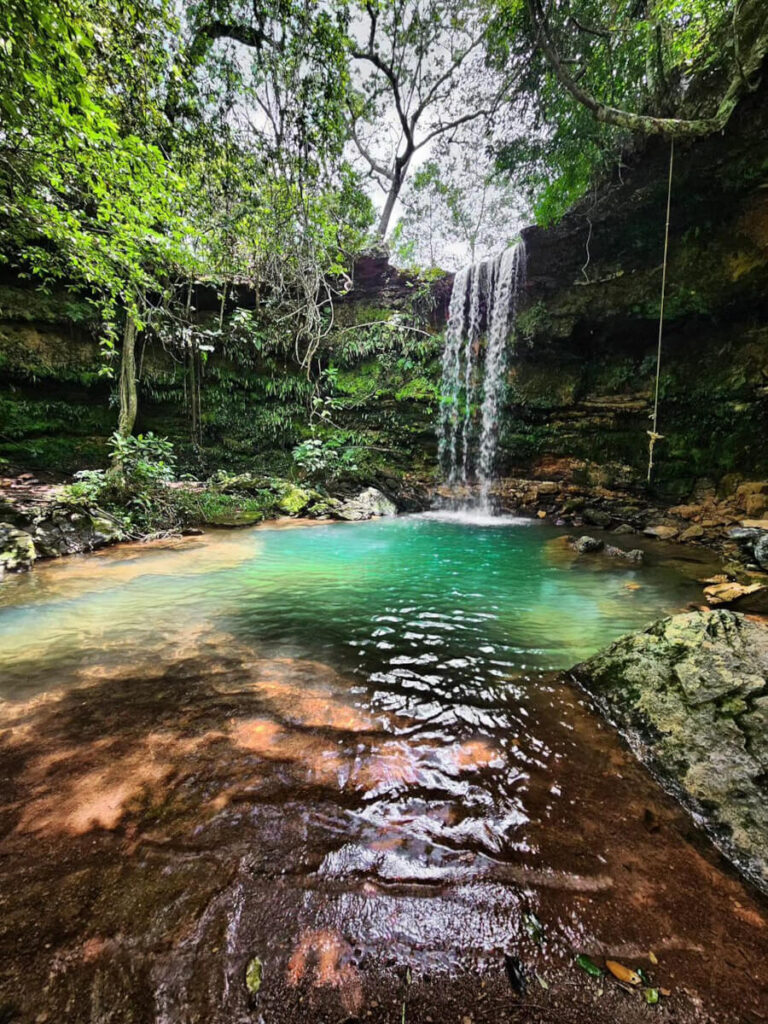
(483,307)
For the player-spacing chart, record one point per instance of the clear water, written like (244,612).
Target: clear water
(437,607)
(339,749)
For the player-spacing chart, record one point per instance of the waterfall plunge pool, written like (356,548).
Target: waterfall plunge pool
(344,751)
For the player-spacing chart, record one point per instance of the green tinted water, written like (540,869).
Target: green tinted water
(437,609)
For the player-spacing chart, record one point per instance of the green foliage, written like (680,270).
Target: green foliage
(640,58)
(143,460)
(457,210)
(533,321)
(327,459)
(134,491)
(87,192)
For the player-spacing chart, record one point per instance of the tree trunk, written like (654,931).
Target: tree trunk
(386,214)
(129,403)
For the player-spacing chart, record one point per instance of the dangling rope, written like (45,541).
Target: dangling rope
(653,434)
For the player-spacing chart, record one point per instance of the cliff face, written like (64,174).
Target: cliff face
(57,407)
(582,383)
(581,378)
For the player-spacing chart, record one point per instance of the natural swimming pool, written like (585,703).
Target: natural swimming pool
(343,750)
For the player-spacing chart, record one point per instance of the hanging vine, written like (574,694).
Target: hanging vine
(653,433)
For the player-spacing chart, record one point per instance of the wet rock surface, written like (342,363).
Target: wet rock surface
(593,545)
(167,824)
(180,804)
(691,694)
(17,550)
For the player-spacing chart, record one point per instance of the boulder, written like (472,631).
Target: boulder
(547,487)
(293,500)
(760,551)
(690,693)
(634,555)
(17,549)
(753,541)
(685,511)
(597,517)
(751,597)
(586,545)
(755,504)
(623,529)
(692,533)
(69,533)
(369,503)
(662,532)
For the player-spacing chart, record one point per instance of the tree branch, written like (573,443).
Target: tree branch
(248,35)
(374,59)
(670,127)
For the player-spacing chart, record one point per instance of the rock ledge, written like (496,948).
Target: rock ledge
(690,693)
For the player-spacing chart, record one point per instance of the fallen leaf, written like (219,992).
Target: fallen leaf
(543,982)
(534,927)
(665,992)
(651,996)
(652,957)
(623,973)
(253,976)
(588,965)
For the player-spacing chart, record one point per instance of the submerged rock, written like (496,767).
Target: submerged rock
(662,532)
(369,503)
(622,529)
(591,545)
(691,694)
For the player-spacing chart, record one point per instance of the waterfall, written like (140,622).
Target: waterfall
(483,304)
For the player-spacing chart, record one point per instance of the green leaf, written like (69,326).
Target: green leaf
(253,975)
(588,965)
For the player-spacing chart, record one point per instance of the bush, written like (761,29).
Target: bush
(134,491)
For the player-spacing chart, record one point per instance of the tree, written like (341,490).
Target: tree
(88,195)
(664,63)
(294,210)
(684,30)
(457,210)
(420,75)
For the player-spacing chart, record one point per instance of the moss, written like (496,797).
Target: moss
(43,306)
(294,500)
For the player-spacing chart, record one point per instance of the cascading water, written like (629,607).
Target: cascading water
(483,302)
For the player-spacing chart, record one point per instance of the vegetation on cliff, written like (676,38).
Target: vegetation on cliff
(189,188)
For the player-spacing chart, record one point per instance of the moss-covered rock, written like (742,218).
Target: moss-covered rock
(691,694)
(294,500)
(68,533)
(17,549)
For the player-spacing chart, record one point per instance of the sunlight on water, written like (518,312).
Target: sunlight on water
(338,746)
